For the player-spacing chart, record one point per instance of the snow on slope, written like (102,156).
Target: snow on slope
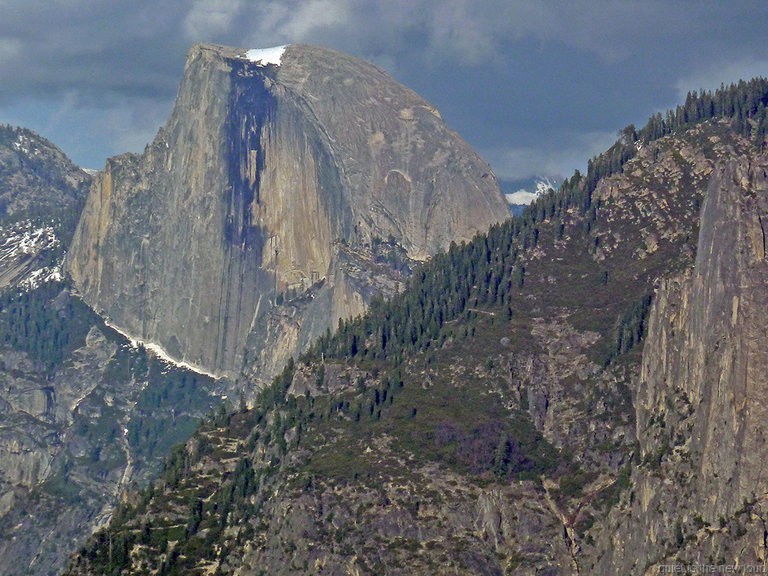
(522,196)
(160,352)
(23,262)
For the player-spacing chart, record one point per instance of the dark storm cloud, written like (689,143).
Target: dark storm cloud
(95,48)
(535,86)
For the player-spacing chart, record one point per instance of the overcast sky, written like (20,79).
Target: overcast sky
(537,87)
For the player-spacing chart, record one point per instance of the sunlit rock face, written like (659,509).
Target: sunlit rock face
(701,412)
(275,169)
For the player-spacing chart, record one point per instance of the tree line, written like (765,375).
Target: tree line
(487,271)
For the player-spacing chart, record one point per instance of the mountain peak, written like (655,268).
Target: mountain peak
(261,178)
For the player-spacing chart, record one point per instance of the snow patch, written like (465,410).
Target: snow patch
(25,144)
(265,56)
(160,352)
(20,244)
(41,276)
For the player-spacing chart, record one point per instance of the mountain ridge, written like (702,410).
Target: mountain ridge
(504,413)
(83,413)
(384,449)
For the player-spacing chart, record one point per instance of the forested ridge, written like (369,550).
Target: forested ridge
(487,270)
(437,371)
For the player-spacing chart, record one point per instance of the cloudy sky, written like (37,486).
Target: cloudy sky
(536,86)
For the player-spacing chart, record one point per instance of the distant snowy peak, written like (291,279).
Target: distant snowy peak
(544,185)
(265,56)
(522,196)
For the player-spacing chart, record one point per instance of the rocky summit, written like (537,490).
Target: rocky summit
(275,178)
(257,218)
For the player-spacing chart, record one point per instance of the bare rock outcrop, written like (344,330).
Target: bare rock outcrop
(699,492)
(262,173)
(37,180)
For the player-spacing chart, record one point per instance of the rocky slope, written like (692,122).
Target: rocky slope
(41,195)
(577,392)
(265,181)
(83,414)
(37,180)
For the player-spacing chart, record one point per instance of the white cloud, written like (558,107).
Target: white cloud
(521,197)
(90,134)
(459,28)
(316,14)
(280,21)
(471,31)
(106,51)
(468,32)
(10,48)
(133,125)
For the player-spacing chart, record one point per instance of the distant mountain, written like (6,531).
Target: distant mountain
(522,197)
(578,391)
(41,195)
(281,196)
(37,181)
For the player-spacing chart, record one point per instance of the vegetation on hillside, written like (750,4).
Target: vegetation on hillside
(47,323)
(488,270)
(437,374)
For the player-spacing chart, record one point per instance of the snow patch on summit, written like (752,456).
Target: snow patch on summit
(264,56)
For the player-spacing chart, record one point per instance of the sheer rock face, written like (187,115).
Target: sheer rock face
(702,417)
(706,343)
(257,179)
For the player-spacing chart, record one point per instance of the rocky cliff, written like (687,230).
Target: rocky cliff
(83,414)
(701,411)
(250,194)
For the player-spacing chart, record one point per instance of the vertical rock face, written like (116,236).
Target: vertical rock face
(706,343)
(702,418)
(263,173)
